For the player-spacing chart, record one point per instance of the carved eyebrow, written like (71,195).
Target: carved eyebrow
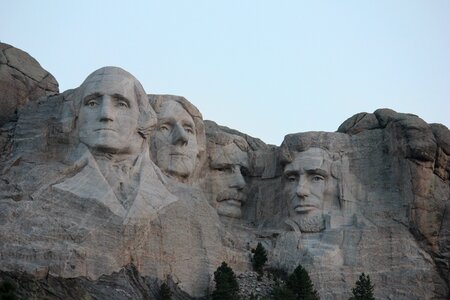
(291,172)
(188,123)
(169,120)
(219,164)
(320,172)
(91,96)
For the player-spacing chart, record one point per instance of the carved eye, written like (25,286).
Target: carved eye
(164,127)
(91,103)
(317,178)
(188,129)
(291,177)
(223,169)
(244,171)
(122,104)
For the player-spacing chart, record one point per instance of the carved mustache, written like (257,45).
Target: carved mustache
(231,195)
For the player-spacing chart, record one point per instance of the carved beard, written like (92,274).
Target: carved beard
(310,224)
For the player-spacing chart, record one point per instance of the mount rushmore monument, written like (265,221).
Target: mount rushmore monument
(106,191)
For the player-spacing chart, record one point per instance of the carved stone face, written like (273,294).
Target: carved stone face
(305,186)
(109,113)
(174,143)
(226,181)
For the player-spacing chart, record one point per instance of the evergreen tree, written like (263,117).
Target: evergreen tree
(227,287)
(253,297)
(283,293)
(302,286)
(259,258)
(363,289)
(165,292)
(7,290)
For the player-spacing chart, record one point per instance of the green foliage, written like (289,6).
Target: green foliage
(7,290)
(165,292)
(253,297)
(302,286)
(259,258)
(363,289)
(298,286)
(277,274)
(227,287)
(283,293)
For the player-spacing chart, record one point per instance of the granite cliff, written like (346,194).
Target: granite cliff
(107,191)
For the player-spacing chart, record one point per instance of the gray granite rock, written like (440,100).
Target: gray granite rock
(89,208)
(358,123)
(22,79)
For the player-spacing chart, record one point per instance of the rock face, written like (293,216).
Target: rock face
(22,79)
(107,192)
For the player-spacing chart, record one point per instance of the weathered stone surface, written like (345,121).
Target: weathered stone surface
(125,284)
(93,205)
(100,203)
(358,123)
(22,79)
(224,184)
(442,135)
(386,196)
(177,144)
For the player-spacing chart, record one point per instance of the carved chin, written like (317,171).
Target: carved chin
(179,170)
(310,224)
(177,166)
(229,210)
(103,143)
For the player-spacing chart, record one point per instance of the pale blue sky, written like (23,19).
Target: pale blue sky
(266,68)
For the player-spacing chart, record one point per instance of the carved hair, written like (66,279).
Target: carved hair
(300,142)
(156,101)
(147,116)
(223,139)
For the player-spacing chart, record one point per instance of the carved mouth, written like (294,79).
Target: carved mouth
(233,202)
(105,129)
(304,208)
(178,154)
(232,197)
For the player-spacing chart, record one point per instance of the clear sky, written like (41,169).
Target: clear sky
(266,68)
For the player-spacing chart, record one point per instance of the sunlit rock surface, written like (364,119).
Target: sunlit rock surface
(106,192)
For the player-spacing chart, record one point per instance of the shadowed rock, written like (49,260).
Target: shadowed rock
(22,79)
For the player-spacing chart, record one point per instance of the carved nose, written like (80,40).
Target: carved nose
(302,188)
(179,136)
(237,180)
(106,110)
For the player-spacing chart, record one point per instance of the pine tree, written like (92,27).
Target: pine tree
(165,292)
(259,258)
(7,290)
(227,287)
(283,293)
(302,286)
(363,289)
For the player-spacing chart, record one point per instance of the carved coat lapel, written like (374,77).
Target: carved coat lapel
(90,184)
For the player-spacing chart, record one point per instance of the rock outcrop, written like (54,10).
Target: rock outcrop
(22,79)
(107,192)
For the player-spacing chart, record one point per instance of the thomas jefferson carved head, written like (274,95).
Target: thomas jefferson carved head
(179,137)
(114,115)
